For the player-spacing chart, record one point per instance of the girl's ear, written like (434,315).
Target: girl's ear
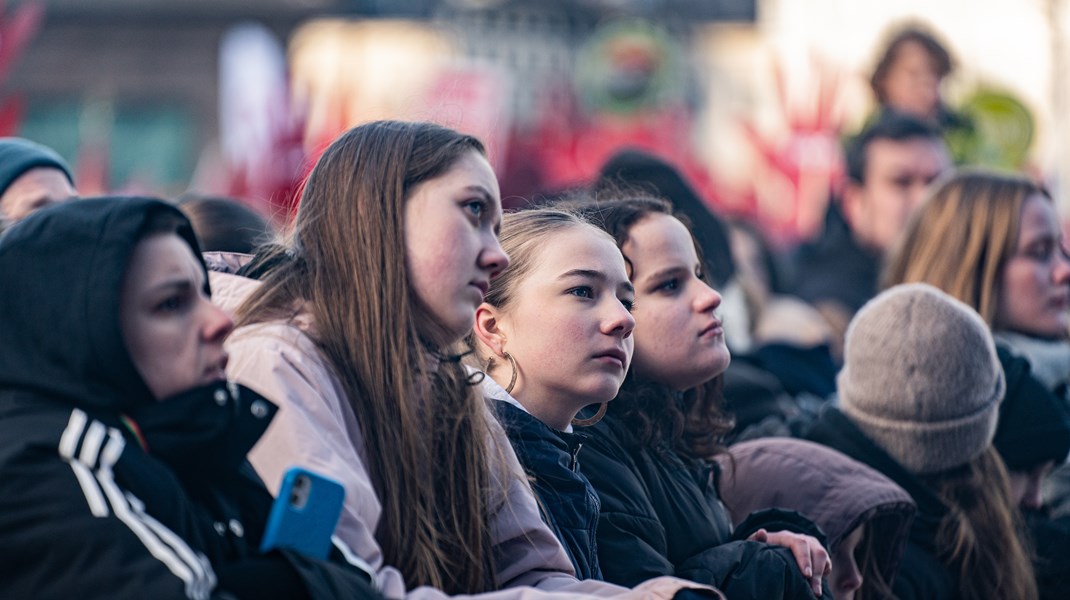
(488,329)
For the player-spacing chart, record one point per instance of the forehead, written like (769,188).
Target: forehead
(923,156)
(912,51)
(471,168)
(578,247)
(1038,216)
(160,257)
(43,182)
(659,241)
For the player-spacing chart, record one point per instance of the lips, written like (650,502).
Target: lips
(482,286)
(615,353)
(713,328)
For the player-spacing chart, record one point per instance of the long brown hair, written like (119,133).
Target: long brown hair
(424,428)
(691,423)
(960,238)
(978,538)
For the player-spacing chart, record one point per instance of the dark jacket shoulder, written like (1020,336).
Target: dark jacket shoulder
(662,515)
(567,501)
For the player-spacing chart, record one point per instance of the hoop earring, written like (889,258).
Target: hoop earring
(512,378)
(594,419)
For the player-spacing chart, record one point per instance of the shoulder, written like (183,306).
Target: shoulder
(229,291)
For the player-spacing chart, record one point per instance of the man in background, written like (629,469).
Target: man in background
(889,167)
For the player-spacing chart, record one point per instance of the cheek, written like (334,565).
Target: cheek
(658,337)
(1023,288)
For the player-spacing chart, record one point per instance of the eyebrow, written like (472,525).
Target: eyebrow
(174,285)
(596,275)
(666,272)
(478,189)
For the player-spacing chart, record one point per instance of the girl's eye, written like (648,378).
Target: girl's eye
(582,292)
(170,304)
(669,286)
(476,208)
(628,303)
(1040,252)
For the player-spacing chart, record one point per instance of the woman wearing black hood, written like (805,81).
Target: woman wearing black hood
(123,449)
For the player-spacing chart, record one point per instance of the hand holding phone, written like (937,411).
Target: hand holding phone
(304,514)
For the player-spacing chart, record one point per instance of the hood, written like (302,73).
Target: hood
(62,269)
(836,492)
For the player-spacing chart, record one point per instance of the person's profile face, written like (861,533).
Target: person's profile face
(171,329)
(1034,293)
(451,242)
(846,577)
(679,338)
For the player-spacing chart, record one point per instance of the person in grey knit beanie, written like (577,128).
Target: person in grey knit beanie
(921,378)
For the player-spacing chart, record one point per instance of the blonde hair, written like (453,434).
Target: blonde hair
(960,238)
(345,262)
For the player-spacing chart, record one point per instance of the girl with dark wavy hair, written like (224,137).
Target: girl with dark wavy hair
(650,458)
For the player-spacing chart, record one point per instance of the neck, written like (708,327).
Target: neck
(555,412)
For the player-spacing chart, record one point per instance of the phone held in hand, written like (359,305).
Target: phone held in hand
(304,514)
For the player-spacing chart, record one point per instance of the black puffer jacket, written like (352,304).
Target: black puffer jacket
(568,503)
(104,492)
(921,574)
(661,515)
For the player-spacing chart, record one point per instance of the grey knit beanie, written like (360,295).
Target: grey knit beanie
(921,378)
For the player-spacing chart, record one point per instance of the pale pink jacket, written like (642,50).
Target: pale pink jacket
(316,428)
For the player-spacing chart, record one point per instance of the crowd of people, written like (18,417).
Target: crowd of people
(615,394)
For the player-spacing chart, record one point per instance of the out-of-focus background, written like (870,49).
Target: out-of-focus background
(751,98)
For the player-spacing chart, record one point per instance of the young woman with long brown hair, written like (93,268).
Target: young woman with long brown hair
(354,331)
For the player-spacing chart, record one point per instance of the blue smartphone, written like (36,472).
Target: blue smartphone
(304,514)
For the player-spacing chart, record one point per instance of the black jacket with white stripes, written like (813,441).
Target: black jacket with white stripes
(105,493)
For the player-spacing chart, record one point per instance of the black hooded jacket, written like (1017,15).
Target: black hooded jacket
(104,492)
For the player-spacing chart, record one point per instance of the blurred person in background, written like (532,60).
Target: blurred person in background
(890,164)
(224,224)
(32,176)
(993,241)
(909,74)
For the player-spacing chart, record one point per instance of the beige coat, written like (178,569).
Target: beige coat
(316,428)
